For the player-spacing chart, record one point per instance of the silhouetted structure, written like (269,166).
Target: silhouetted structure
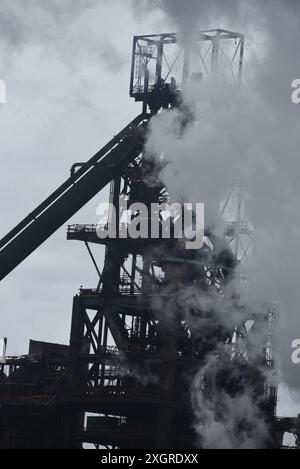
(124,381)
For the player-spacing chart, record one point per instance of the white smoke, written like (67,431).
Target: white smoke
(225,421)
(251,135)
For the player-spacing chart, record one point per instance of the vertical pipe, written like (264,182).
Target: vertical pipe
(238,222)
(186,64)
(215,53)
(146,89)
(132,66)
(116,203)
(160,51)
(133,270)
(242,43)
(77,326)
(104,345)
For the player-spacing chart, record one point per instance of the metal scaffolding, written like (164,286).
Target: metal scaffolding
(124,380)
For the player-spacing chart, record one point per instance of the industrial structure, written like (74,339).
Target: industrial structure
(124,380)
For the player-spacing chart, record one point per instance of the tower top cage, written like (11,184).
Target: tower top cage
(162,64)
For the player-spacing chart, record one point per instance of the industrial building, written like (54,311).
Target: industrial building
(124,380)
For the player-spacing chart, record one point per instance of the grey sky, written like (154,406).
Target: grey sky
(67,75)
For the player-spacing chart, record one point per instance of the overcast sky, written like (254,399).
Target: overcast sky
(66,65)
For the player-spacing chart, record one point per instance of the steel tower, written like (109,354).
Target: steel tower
(125,379)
